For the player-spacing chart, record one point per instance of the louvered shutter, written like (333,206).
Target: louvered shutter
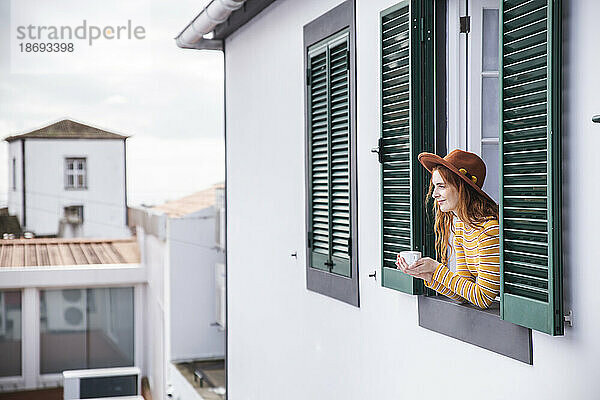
(530,193)
(402,137)
(329,123)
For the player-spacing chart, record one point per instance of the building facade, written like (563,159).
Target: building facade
(300,330)
(69,179)
(181,251)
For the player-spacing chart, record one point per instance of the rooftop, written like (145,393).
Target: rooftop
(189,204)
(67,129)
(57,251)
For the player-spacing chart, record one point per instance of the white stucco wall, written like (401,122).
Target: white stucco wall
(179,255)
(286,341)
(192,287)
(153,251)
(103,202)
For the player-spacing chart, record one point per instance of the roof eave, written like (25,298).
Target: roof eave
(192,36)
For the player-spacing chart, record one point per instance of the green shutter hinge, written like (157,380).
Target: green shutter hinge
(379,150)
(308,80)
(569,318)
(310,240)
(415,26)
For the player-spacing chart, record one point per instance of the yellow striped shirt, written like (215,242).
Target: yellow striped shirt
(477,277)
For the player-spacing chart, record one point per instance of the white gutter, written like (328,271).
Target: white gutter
(215,13)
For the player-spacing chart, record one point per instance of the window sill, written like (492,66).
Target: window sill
(483,328)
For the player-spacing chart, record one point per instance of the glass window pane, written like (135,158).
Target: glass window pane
(10,333)
(490,107)
(86,328)
(63,327)
(490,41)
(491,158)
(111,328)
(80,180)
(80,165)
(70,182)
(69,164)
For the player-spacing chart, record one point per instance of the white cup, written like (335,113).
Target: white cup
(410,256)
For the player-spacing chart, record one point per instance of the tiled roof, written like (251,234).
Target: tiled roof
(67,129)
(51,252)
(189,204)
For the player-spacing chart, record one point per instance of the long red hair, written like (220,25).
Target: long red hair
(473,210)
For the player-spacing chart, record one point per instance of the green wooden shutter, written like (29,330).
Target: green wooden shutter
(329,126)
(404,48)
(530,193)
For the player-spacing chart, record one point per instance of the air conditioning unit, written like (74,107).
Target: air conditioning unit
(220,299)
(66,310)
(102,383)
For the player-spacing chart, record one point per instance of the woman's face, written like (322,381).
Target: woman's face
(444,194)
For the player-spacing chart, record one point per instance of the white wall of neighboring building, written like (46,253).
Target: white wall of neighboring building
(154,257)
(103,201)
(192,287)
(278,331)
(180,256)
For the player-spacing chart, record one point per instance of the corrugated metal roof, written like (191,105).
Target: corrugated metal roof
(189,204)
(67,129)
(52,252)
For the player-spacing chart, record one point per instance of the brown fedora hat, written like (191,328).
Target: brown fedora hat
(468,166)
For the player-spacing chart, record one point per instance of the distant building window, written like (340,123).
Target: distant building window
(74,214)
(14,174)
(75,173)
(86,328)
(10,333)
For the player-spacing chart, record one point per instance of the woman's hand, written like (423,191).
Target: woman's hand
(423,268)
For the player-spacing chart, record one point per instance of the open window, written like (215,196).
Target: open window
(497,75)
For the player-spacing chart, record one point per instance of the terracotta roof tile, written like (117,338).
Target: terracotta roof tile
(81,251)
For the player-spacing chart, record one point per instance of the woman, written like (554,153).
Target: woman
(455,187)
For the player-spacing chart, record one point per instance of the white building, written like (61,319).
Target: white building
(182,249)
(68,179)
(369,84)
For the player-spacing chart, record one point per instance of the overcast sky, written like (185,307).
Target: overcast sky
(168,99)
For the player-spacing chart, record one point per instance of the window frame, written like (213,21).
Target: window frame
(436,312)
(16,380)
(327,25)
(74,173)
(74,209)
(51,378)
